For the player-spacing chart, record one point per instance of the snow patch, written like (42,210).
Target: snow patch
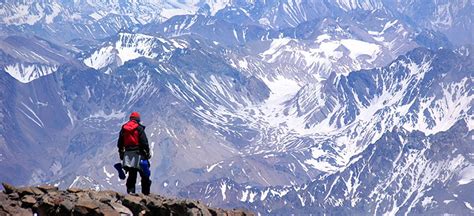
(223,190)
(112,115)
(26,73)
(128,47)
(447,201)
(468,205)
(109,175)
(101,58)
(427,201)
(264,194)
(252,196)
(323,37)
(466,175)
(33,117)
(318,163)
(245,193)
(184,7)
(210,168)
(280,193)
(358,48)
(56,9)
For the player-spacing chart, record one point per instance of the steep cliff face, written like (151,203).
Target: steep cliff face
(49,200)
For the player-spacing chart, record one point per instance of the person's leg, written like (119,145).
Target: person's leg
(131,180)
(146,183)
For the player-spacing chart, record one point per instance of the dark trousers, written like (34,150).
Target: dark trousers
(132,179)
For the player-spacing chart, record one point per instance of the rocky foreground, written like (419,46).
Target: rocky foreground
(49,200)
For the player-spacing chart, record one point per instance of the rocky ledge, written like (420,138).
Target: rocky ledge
(49,200)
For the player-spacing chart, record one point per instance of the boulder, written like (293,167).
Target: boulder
(47,188)
(14,196)
(134,203)
(74,190)
(83,195)
(14,209)
(120,208)
(86,207)
(156,207)
(66,207)
(8,188)
(29,191)
(47,204)
(107,211)
(28,201)
(105,196)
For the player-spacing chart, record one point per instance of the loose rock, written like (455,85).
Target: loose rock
(49,200)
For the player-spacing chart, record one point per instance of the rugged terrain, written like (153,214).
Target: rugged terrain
(49,200)
(277,106)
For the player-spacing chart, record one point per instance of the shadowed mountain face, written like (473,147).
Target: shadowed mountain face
(280,107)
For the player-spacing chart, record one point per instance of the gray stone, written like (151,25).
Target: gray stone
(29,190)
(74,190)
(46,205)
(88,202)
(66,207)
(47,188)
(85,207)
(14,196)
(106,210)
(105,196)
(134,203)
(120,208)
(195,212)
(8,188)
(28,201)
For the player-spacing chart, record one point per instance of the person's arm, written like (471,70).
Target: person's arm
(143,140)
(120,146)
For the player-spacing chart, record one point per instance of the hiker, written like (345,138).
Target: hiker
(133,149)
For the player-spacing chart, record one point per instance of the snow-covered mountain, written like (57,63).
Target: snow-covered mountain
(129,47)
(96,19)
(66,20)
(324,127)
(401,173)
(279,106)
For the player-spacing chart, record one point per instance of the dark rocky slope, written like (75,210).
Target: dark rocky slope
(49,200)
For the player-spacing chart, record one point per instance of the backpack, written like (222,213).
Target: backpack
(130,134)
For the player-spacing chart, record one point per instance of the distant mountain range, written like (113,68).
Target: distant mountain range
(277,106)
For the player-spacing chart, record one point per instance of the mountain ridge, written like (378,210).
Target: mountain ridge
(394,159)
(246,104)
(49,200)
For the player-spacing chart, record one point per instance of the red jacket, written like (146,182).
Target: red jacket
(132,137)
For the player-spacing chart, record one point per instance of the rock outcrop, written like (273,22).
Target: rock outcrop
(49,200)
